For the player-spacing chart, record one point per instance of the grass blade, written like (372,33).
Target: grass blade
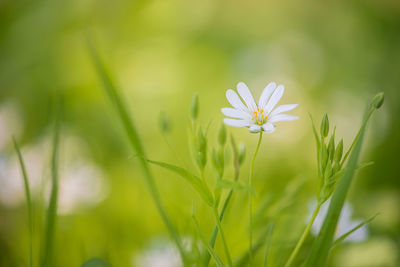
(210,250)
(323,243)
(344,236)
(51,214)
(268,239)
(28,199)
(135,142)
(206,256)
(192,179)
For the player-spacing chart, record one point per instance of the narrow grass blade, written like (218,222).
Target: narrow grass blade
(344,236)
(323,243)
(210,250)
(28,199)
(51,214)
(135,142)
(206,256)
(192,179)
(315,133)
(244,259)
(268,239)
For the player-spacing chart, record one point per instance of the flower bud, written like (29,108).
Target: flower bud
(201,146)
(222,135)
(328,170)
(338,152)
(194,108)
(323,159)
(331,147)
(242,153)
(218,161)
(377,101)
(325,126)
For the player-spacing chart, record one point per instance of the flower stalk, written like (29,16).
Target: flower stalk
(251,200)
(303,236)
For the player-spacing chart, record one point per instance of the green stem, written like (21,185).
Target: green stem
(213,238)
(228,255)
(28,200)
(303,237)
(251,201)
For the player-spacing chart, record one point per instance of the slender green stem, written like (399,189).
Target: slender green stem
(28,200)
(251,201)
(51,215)
(217,219)
(303,237)
(137,145)
(213,238)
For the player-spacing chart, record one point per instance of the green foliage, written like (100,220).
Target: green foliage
(325,126)
(135,142)
(344,236)
(51,215)
(194,107)
(197,184)
(323,243)
(28,199)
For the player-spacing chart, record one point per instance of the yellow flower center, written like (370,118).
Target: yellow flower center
(259,118)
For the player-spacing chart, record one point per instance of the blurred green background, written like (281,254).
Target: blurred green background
(331,56)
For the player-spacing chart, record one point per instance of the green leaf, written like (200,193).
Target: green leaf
(244,258)
(315,132)
(135,141)
(344,236)
(323,243)
(192,179)
(268,239)
(28,199)
(51,214)
(210,250)
(95,262)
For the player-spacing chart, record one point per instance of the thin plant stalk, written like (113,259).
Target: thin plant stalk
(217,219)
(303,237)
(213,238)
(137,145)
(28,200)
(51,215)
(268,243)
(251,201)
(210,250)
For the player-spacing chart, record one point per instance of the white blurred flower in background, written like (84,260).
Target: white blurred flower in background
(81,182)
(159,253)
(345,223)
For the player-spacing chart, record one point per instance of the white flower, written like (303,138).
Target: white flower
(259,117)
(345,223)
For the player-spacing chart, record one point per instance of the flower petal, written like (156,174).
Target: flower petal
(266,94)
(235,101)
(235,113)
(268,127)
(245,93)
(255,128)
(236,123)
(283,108)
(275,97)
(282,117)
